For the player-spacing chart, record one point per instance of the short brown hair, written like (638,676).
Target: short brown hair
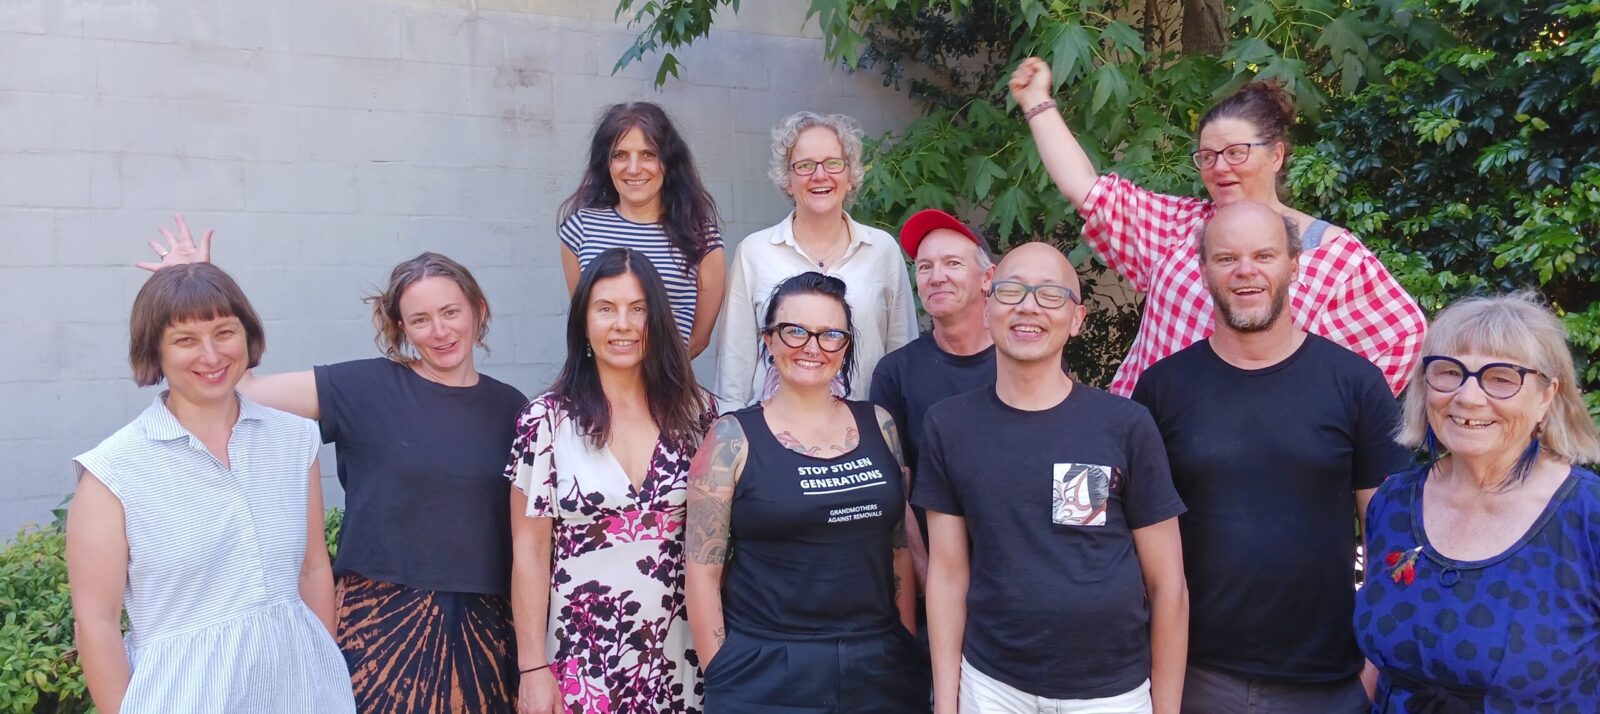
(181,293)
(391,337)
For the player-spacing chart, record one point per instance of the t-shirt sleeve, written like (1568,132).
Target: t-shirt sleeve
(1148,496)
(532,466)
(571,233)
(713,237)
(334,385)
(1134,230)
(931,490)
(885,392)
(1378,419)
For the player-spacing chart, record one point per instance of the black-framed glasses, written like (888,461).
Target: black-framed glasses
(806,167)
(796,337)
(1501,380)
(1011,292)
(1234,154)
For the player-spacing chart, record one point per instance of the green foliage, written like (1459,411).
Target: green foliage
(39,669)
(1476,167)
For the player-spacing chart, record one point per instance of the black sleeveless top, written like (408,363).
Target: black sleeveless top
(812,537)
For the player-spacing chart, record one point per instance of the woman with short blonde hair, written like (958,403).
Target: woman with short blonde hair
(1483,582)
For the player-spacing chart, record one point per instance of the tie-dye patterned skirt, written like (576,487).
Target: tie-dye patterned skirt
(426,652)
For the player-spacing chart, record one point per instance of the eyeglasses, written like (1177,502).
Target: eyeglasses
(1500,380)
(796,337)
(1234,154)
(1011,292)
(806,167)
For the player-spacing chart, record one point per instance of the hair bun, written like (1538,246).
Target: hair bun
(1276,94)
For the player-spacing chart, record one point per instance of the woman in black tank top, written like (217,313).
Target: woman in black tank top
(798,577)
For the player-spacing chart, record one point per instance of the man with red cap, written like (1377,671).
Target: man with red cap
(953,269)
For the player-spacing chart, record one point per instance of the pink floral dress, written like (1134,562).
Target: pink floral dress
(618,631)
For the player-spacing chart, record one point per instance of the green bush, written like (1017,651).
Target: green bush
(39,670)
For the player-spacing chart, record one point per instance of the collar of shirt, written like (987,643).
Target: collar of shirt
(785,236)
(160,424)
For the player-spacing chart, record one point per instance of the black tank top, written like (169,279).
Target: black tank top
(812,537)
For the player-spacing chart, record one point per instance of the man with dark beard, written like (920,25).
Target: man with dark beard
(1275,437)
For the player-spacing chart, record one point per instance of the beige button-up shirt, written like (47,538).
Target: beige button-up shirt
(878,289)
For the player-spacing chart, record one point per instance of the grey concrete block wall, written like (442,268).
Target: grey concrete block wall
(325,140)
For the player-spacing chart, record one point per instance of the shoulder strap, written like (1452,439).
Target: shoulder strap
(1312,236)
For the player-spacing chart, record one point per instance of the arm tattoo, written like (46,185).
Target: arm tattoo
(897,586)
(792,443)
(712,477)
(721,634)
(891,435)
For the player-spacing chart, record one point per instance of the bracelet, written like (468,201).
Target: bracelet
(1038,109)
(535,669)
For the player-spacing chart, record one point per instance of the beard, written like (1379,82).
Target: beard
(1258,322)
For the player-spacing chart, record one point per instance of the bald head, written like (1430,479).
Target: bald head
(1248,218)
(1039,263)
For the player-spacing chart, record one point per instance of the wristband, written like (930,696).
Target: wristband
(1038,109)
(535,669)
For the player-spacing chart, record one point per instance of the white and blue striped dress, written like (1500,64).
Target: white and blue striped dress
(214,556)
(592,231)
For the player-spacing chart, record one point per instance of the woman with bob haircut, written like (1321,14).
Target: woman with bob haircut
(799,589)
(203,519)
(1242,149)
(598,476)
(423,571)
(640,190)
(1483,578)
(816,163)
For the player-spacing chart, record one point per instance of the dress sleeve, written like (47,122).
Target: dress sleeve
(736,339)
(1134,230)
(1370,314)
(532,466)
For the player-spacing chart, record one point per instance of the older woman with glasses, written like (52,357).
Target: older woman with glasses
(816,163)
(1343,292)
(1484,587)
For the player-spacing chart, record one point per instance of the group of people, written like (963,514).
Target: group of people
(877,521)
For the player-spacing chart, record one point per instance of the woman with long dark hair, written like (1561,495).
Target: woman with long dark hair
(799,577)
(599,470)
(640,190)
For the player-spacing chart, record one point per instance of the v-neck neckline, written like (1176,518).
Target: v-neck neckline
(635,490)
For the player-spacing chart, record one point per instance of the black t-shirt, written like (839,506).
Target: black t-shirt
(1056,601)
(422,465)
(919,375)
(812,545)
(1267,461)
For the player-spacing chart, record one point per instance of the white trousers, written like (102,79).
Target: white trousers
(982,694)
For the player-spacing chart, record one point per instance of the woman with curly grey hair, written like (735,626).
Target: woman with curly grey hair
(816,162)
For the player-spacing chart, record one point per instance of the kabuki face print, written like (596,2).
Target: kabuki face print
(1080,492)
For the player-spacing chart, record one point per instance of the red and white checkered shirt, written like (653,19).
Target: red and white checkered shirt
(1343,292)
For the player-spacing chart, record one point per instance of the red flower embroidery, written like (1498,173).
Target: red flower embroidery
(1403,565)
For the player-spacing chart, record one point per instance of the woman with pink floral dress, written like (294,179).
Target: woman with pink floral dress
(599,471)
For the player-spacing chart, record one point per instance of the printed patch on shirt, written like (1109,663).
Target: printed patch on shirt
(1079,494)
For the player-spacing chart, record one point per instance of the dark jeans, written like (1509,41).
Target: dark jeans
(1213,691)
(758,675)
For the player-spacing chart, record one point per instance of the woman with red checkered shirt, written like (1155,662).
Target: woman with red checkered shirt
(1343,292)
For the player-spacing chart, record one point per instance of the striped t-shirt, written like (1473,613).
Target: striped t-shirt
(592,231)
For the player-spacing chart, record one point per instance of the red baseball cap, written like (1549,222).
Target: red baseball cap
(928,220)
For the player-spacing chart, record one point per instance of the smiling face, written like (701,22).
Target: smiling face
(807,366)
(949,281)
(617,322)
(1026,332)
(636,172)
(203,360)
(1255,179)
(821,193)
(440,323)
(1472,424)
(1247,266)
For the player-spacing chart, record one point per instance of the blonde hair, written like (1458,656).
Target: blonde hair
(1518,327)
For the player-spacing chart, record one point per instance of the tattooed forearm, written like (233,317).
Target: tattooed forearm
(712,476)
(721,634)
(898,539)
(897,586)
